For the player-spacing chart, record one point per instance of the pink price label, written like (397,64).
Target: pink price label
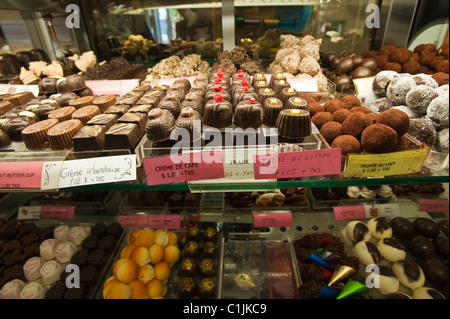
(58,212)
(182,168)
(298,164)
(164,221)
(433,205)
(164,170)
(138,220)
(349,212)
(112,87)
(272,219)
(304,85)
(21,175)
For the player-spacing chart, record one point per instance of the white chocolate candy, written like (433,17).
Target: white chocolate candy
(64,251)
(12,289)
(47,248)
(388,282)
(357,231)
(33,290)
(367,253)
(379,228)
(427,293)
(77,234)
(409,273)
(391,249)
(61,233)
(51,272)
(32,267)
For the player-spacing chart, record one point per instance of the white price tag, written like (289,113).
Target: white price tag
(98,170)
(382,210)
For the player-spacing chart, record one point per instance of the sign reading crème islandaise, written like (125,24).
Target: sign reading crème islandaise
(97,170)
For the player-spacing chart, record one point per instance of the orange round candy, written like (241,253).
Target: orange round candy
(118,291)
(126,251)
(131,238)
(146,273)
(162,270)
(138,290)
(171,254)
(127,272)
(155,288)
(140,255)
(145,238)
(156,253)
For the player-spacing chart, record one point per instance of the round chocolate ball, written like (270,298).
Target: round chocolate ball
(426,227)
(402,227)
(379,138)
(346,65)
(421,247)
(369,63)
(328,57)
(442,248)
(361,72)
(349,144)
(341,81)
(334,62)
(396,119)
(436,272)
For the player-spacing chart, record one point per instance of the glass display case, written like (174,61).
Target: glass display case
(138,35)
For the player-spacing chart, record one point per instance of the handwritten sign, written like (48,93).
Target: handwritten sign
(164,221)
(298,164)
(272,219)
(238,164)
(20,175)
(433,205)
(98,170)
(138,220)
(112,87)
(183,167)
(379,165)
(349,212)
(18,88)
(304,85)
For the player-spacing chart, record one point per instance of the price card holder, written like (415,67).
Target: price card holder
(433,205)
(88,171)
(304,85)
(112,87)
(46,212)
(164,221)
(349,212)
(380,165)
(363,85)
(272,219)
(137,220)
(20,175)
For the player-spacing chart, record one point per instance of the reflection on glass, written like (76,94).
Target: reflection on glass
(14,35)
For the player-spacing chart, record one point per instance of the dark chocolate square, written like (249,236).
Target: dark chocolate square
(107,120)
(122,136)
(90,138)
(140,119)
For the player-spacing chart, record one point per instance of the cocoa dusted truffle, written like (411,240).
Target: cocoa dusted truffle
(321,118)
(379,138)
(396,119)
(330,131)
(350,101)
(333,105)
(314,108)
(340,115)
(348,143)
(355,124)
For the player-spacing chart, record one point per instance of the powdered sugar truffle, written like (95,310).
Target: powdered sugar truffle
(425,79)
(419,98)
(399,88)
(438,111)
(382,81)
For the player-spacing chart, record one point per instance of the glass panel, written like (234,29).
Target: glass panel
(147,32)
(14,36)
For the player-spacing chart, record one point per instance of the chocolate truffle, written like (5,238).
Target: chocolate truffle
(333,105)
(343,81)
(191,249)
(321,118)
(207,267)
(379,138)
(293,124)
(355,124)
(436,272)
(70,83)
(193,101)
(399,88)
(4,139)
(348,143)
(421,247)
(438,111)
(382,81)
(442,246)
(248,114)
(159,125)
(315,108)
(60,136)
(287,93)
(396,119)
(263,94)
(402,227)
(218,113)
(187,268)
(350,101)
(426,227)
(330,131)
(340,115)
(47,85)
